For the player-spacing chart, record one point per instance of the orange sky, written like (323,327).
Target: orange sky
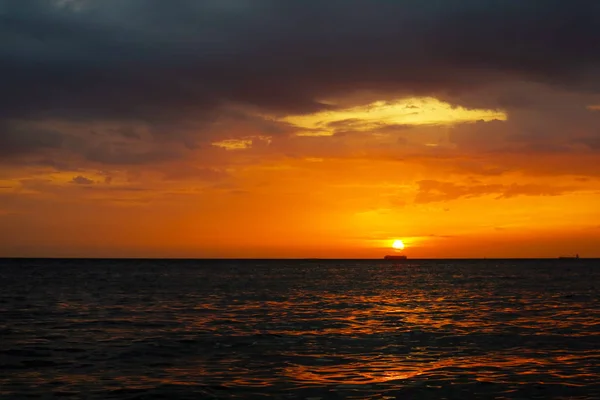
(346,193)
(299,129)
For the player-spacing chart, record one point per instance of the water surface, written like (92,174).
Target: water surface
(149,329)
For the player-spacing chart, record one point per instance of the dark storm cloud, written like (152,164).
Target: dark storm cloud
(128,132)
(15,140)
(161,61)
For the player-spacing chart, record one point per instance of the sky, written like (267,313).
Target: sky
(299,128)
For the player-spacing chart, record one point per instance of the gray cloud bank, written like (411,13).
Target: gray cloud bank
(162,62)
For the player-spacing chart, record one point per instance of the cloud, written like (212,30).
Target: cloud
(436,191)
(384,115)
(182,172)
(16,140)
(105,153)
(170,77)
(157,60)
(82,180)
(128,132)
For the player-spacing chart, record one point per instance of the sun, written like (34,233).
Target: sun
(398,245)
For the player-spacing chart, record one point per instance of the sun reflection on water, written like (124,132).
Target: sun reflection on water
(303,328)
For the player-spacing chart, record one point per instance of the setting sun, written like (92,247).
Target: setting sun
(398,245)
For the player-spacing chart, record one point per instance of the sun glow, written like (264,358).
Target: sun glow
(398,245)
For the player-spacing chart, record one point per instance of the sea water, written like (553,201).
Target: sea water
(283,329)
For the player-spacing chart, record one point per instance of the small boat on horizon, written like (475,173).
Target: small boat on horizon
(575,257)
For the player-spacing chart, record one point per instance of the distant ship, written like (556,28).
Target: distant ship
(388,257)
(575,257)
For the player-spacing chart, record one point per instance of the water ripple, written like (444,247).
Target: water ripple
(311,330)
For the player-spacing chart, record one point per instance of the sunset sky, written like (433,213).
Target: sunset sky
(288,128)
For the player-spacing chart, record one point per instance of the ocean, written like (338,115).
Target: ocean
(299,329)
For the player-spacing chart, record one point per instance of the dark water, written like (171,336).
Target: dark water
(299,329)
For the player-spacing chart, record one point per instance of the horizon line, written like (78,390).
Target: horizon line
(288,258)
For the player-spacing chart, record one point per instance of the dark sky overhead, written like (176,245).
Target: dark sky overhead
(190,102)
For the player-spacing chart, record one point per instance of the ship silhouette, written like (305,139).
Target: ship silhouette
(575,257)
